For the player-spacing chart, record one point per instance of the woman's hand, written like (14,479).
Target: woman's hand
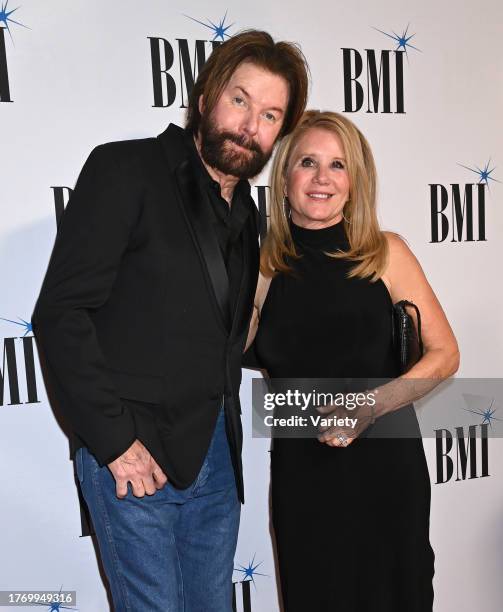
(340,426)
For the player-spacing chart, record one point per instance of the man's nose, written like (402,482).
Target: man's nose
(251,123)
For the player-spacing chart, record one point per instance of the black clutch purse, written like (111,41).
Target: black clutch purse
(407,342)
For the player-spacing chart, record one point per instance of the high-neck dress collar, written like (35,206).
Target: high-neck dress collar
(326,238)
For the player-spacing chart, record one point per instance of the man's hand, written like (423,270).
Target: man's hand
(138,467)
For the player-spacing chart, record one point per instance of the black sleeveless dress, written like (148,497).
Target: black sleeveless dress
(351,524)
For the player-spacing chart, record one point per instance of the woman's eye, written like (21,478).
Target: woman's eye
(338,164)
(270,117)
(239,101)
(307,162)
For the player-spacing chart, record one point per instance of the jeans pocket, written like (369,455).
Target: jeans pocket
(79,464)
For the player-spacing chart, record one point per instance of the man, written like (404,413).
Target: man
(143,316)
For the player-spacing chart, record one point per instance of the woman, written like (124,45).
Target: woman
(351,509)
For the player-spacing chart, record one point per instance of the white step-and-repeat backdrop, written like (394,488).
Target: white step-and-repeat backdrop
(424,83)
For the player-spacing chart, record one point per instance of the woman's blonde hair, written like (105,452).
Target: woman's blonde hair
(367,244)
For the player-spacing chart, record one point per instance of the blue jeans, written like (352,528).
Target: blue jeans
(172,551)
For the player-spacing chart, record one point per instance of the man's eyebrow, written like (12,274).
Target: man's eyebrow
(273,108)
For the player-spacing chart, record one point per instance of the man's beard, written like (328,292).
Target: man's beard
(217,153)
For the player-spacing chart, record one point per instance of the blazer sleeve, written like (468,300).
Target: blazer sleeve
(92,237)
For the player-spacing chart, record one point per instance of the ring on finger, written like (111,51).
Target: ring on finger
(343,439)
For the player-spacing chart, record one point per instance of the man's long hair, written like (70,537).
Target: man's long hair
(281,58)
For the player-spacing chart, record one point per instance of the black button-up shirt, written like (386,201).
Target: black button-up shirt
(229,220)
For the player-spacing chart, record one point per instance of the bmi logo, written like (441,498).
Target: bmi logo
(5,21)
(465,450)
(459,210)
(374,79)
(173,79)
(18,350)
(248,574)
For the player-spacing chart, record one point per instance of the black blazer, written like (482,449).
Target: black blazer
(132,318)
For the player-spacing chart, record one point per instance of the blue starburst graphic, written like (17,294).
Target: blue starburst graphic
(487,413)
(219,31)
(6,19)
(28,327)
(402,42)
(484,174)
(250,571)
(55,607)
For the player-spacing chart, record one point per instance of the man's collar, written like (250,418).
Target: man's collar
(174,145)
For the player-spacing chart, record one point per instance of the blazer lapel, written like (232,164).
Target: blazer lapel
(249,276)
(196,208)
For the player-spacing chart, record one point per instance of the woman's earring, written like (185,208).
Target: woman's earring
(287,210)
